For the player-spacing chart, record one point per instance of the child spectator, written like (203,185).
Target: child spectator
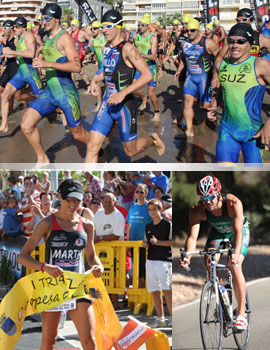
(12,226)
(12,184)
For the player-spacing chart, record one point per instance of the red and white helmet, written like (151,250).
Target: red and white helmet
(209,185)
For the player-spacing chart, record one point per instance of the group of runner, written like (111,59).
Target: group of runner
(206,61)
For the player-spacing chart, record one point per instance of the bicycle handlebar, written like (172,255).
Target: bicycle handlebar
(184,254)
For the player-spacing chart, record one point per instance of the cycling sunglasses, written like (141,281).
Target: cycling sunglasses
(238,41)
(142,25)
(207,198)
(95,28)
(191,30)
(243,19)
(46,19)
(110,25)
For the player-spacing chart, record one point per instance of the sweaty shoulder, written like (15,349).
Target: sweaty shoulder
(87,224)
(233,204)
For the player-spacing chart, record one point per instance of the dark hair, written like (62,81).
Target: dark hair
(28,178)
(159,188)
(11,198)
(12,179)
(43,193)
(34,178)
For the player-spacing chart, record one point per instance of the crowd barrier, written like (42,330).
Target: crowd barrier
(113,257)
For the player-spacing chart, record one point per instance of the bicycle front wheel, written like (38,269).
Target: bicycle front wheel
(242,338)
(211,322)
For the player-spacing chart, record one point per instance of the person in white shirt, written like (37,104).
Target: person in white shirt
(109,222)
(109,226)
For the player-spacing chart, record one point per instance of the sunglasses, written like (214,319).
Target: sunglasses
(142,25)
(242,20)
(70,200)
(95,202)
(110,25)
(191,30)
(95,28)
(141,192)
(238,41)
(208,198)
(184,23)
(46,19)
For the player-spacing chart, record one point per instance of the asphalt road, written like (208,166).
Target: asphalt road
(186,331)
(62,148)
(68,338)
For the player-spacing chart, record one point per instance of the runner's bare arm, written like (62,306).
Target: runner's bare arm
(90,252)
(153,54)
(262,70)
(235,211)
(66,46)
(41,231)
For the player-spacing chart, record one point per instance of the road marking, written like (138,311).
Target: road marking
(196,301)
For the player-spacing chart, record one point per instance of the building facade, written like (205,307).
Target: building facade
(11,9)
(133,10)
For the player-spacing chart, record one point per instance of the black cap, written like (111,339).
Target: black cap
(20,22)
(166,198)
(52,10)
(244,30)
(8,24)
(112,16)
(245,12)
(71,189)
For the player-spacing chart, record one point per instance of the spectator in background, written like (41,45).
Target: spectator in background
(158,192)
(12,225)
(109,180)
(2,202)
(87,197)
(159,262)
(36,183)
(128,191)
(95,205)
(94,184)
(39,213)
(31,197)
(167,207)
(20,184)
(45,185)
(12,184)
(160,180)
(109,226)
(148,175)
(67,175)
(138,217)
(137,178)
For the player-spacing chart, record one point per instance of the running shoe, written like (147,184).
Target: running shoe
(240,324)
(158,323)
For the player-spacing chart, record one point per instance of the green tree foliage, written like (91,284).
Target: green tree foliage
(252,188)
(168,20)
(67,15)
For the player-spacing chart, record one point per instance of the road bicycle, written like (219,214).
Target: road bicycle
(218,305)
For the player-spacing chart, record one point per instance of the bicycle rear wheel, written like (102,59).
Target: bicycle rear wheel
(242,338)
(211,322)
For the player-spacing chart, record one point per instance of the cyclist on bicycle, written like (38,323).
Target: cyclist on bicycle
(227,220)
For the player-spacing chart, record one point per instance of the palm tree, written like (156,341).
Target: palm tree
(67,15)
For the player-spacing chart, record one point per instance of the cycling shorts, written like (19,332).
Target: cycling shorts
(32,78)
(198,83)
(215,242)
(68,101)
(153,70)
(228,148)
(126,115)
